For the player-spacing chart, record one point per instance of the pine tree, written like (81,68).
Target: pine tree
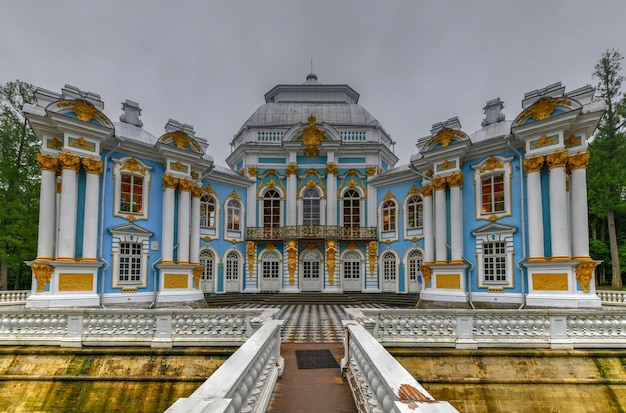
(607,164)
(19,189)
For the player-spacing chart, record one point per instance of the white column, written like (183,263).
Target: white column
(535,206)
(429,246)
(559,228)
(184,209)
(441,224)
(456,216)
(580,216)
(67,221)
(331,194)
(47,207)
(93,169)
(292,178)
(194,241)
(372,199)
(251,207)
(167,223)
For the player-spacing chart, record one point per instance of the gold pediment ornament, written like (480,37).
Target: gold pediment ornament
(542,109)
(178,166)
(133,166)
(311,184)
(491,164)
(445,137)
(312,136)
(82,143)
(413,191)
(388,195)
(234,195)
(208,190)
(271,184)
(55,143)
(352,184)
(573,141)
(544,141)
(352,246)
(84,111)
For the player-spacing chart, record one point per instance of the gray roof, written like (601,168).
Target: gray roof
(131,132)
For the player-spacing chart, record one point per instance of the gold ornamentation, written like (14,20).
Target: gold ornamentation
(69,161)
(312,137)
(196,274)
(253,170)
(557,159)
(169,181)
(196,191)
(185,184)
(455,180)
(331,251)
(332,169)
(584,273)
(311,246)
(175,280)
(439,183)
(234,195)
(352,183)
(352,246)
(54,143)
(250,251)
(578,161)
(82,143)
(195,175)
(533,164)
(43,274)
(491,164)
(47,162)
(370,170)
(541,109)
(84,111)
(178,166)
(573,141)
(388,195)
(292,250)
(133,165)
(544,141)
(427,272)
(493,218)
(413,191)
(427,190)
(130,218)
(92,166)
(271,184)
(372,254)
(206,238)
(311,184)
(445,165)
(292,169)
(208,190)
(445,137)
(75,282)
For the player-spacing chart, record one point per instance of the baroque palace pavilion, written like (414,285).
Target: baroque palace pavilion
(312,200)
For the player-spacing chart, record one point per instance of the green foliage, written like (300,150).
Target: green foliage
(19,180)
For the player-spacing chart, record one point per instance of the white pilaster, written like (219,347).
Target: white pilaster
(559,228)
(67,221)
(292,178)
(47,209)
(441,224)
(169,182)
(535,207)
(184,209)
(580,216)
(429,246)
(331,195)
(194,246)
(251,201)
(93,168)
(456,217)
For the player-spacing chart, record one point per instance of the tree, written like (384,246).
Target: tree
(607,164)
(19,183)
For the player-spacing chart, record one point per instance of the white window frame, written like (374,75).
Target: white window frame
(270,256)
(238,265)
(135,168)
(388,206)
(360,260)
(232,234)
(278,200)
(361,206)
(407,266)
(206,268)
(210,230)
(495,233)
(383,267)
(417,231)
(311,200)
(488,168)
(129,233)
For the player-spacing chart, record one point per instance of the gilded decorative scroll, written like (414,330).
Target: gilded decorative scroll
(557,159)
(250,251)
(439,183)
(196,274)
(291,169)
(445,136)
(332,169)
(312,137)
(43,274)
(47,162)
(331,251)
(196,191)
(69,161)
(455,180)
(578,161)
(84,111)
(82,143)
(427,190)
(584,273)
(252,171)
(491,164)
(185,185)
(169,181)
(372,254)
(544,141)
(92,166)
(533,164)
(133,165)
(292,250)
(542,109)
(370,170)
(427,272)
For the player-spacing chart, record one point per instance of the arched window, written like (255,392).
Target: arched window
(207,261)
(232,266)
(389,216)
(389,266)
(207,211)
(415,261)
(351,209)
(415,212)
(233,215)
(271,209)
(311,207)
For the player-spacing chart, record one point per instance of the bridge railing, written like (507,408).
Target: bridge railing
(245,382)
(378,382)
(564,329)
(154,328)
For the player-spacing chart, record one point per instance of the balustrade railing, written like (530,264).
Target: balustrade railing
(155,328)
(610,297)
(379,383)
(311,232)
(245,382)
(14,297)
(565,329)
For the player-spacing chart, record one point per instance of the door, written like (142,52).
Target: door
(352,271)
(270,272)
(207,260)
(414,276)
(233,268)
(311,266)
(390,270)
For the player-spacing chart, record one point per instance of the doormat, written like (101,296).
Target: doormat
(316,359)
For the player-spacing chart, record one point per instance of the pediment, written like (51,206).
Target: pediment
(130,229)
(494,228)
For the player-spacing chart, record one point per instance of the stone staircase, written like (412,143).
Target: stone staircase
(312,298)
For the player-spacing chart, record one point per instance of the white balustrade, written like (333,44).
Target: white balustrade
(378,382)
(245,382)
(608,297)
(14,297)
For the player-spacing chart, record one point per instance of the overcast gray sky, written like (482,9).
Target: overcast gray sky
(209,63)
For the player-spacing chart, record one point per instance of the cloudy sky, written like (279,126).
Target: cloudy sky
(208,63)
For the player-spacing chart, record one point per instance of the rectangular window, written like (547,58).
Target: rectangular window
(492,191)
(494,259)
(131,194)
(270,269)
(130,263)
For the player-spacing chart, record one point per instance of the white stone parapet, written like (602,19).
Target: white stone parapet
(245,382)
(378,382)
